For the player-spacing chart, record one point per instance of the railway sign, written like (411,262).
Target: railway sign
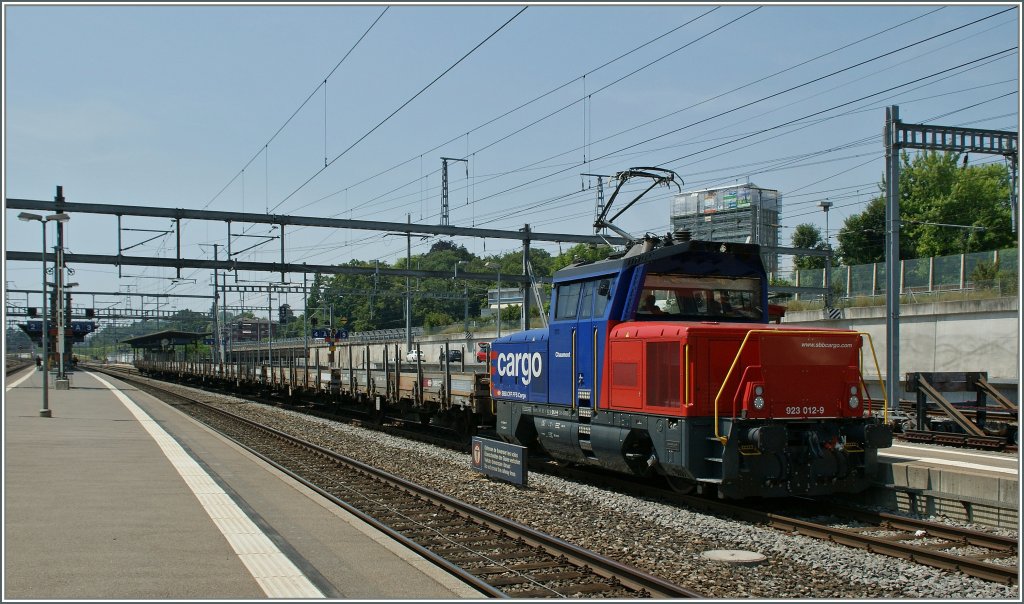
(499,460)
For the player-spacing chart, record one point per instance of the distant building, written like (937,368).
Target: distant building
(739,213)
(509,296)
(251,330)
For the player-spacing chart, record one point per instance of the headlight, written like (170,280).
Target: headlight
(758,390)
(853,390)
(854,402)
(758,403)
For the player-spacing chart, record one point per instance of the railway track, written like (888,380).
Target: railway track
(951,437)
(934,544)
(13,365)
(924,542)
(497,556)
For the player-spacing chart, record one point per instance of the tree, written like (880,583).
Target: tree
(581,252)
(862,238)
(945,208)
(808,236)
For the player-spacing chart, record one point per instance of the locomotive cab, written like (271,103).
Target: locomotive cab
(662,361)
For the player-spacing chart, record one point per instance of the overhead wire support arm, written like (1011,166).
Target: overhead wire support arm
(659,176)
(444,186)
(897,136)
(310,221)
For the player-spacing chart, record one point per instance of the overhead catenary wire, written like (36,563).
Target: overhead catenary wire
(323,83)
(617,151)
(607,63)
(398,187)
(513,110)
(402,106)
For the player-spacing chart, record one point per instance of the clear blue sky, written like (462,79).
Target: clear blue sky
(164,106)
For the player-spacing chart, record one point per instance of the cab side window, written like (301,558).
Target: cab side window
(602,295)
(568,301)
(587,301)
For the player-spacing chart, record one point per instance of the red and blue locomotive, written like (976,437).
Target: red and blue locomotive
(662,361)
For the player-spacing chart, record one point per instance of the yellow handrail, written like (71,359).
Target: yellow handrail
(878,372)
(728,374)
(686,375)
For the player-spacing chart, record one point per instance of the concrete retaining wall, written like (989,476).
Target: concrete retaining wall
(969,335)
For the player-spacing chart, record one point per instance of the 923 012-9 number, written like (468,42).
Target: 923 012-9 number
(819,410)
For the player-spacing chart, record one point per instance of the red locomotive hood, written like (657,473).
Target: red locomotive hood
(648,329)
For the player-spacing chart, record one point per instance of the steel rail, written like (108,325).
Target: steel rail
(942,531)
(926,555)
(606,567)
(879,545)
(891,546)
(631,577)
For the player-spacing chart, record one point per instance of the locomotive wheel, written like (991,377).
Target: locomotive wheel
(680,485)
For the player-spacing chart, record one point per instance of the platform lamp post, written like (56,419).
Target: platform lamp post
(825,205)
(27,217)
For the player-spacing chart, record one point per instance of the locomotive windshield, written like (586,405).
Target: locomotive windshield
(700,298)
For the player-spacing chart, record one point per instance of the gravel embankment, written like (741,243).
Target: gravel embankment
(661,539)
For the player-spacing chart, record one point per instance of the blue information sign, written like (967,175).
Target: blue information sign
(499,460)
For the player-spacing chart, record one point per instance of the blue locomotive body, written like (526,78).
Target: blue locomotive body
(640,349)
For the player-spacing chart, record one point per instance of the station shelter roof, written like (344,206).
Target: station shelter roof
(162,340)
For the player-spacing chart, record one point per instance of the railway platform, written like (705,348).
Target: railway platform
(966,484)
(119,496)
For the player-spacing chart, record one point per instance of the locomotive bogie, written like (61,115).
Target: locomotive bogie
(758,459)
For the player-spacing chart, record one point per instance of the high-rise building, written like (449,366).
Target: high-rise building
(739,213)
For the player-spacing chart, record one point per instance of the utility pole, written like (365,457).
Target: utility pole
(218,353)
(305,322)
(892,257)
(599,205)
(444,185)
(58,274)
(897,136)
(825,205)
(270,329)
(465,307)
(525,317)
(408,290)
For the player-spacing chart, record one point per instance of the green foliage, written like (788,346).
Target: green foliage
(581,252)
(808,236)
(778,282)
(862,238)
(437,319)
(511,312)
(936,191)
(986,275)
(985,271)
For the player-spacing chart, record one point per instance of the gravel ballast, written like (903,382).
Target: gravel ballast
(662,539)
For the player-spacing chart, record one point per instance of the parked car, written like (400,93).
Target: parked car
(483,350)
(454,355)
(414,355)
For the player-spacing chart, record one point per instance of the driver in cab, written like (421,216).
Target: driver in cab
(650,307)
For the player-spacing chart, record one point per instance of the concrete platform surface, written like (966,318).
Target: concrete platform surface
(968,484)
(119,496)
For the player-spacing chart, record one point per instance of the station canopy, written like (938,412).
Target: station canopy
(163,340)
